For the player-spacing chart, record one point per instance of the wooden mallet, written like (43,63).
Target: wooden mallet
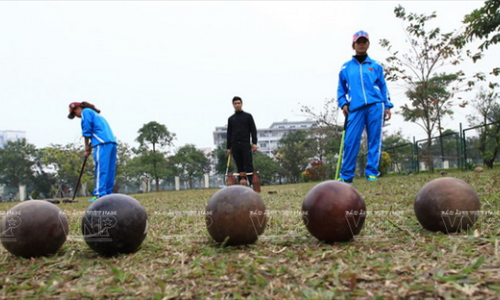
(229,176)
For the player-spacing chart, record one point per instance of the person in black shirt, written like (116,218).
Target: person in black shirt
(240,127)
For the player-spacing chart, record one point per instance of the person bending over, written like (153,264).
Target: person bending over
(98,137)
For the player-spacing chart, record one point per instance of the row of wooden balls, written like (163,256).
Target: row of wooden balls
(332,211)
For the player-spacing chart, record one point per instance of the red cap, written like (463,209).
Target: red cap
(72,107)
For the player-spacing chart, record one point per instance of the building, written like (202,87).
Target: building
(6,136)
(268,138)
(11,135)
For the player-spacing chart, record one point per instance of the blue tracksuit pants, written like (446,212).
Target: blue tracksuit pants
(370,117)
(105,169)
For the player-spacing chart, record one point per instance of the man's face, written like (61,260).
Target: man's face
(237,105)
(361,46)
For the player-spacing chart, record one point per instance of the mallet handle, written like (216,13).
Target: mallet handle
(79,177)
(337,172)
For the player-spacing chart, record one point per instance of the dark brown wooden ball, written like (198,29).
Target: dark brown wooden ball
(115,224)
(333,211)
(235,215)
(447,204)
(34,228)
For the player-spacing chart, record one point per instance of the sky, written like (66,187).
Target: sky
(180,63)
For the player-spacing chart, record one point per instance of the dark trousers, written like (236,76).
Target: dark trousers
(242,154)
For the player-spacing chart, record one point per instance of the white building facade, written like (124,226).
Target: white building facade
(11,135)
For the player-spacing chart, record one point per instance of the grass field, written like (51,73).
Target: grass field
(393,257)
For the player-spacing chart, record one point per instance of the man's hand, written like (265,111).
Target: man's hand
(228,152)
(88,150)
(254,148)
(387,114)
(345,110)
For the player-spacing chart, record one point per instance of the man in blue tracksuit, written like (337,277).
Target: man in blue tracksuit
(98,135)
(363,97)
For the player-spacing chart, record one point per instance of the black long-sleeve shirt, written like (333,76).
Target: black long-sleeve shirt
(239,128)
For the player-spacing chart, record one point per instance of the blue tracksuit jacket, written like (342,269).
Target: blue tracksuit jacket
(362,86)
(97,128)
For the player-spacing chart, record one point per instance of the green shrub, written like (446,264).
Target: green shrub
(385,163)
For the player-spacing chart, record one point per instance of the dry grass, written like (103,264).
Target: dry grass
(393,257)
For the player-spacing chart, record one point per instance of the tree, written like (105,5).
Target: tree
(446,145)
(124,169)
(16,163)
(152,165)
(481,23)
(440,98)
(430,101)
(416,68)
(191,162)
(395,140)
(385,163)
(43,182)
(138,172)
(473,154)
(220,157)
(315,172)
(487,106)
(327,133)
(294,153)
(158,137)
(328,116)
(266,166)
(66,163)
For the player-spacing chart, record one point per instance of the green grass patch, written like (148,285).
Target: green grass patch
(393,257)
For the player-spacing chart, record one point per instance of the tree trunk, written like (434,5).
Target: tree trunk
(488,163)
(440,134)
(157,180)
(83,189)
(430,163)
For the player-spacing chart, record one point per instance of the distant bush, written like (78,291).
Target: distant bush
(316,172)
(385,163)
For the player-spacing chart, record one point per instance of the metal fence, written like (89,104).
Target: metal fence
(471,152)
(453,150)
(402,158)
(443,153)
